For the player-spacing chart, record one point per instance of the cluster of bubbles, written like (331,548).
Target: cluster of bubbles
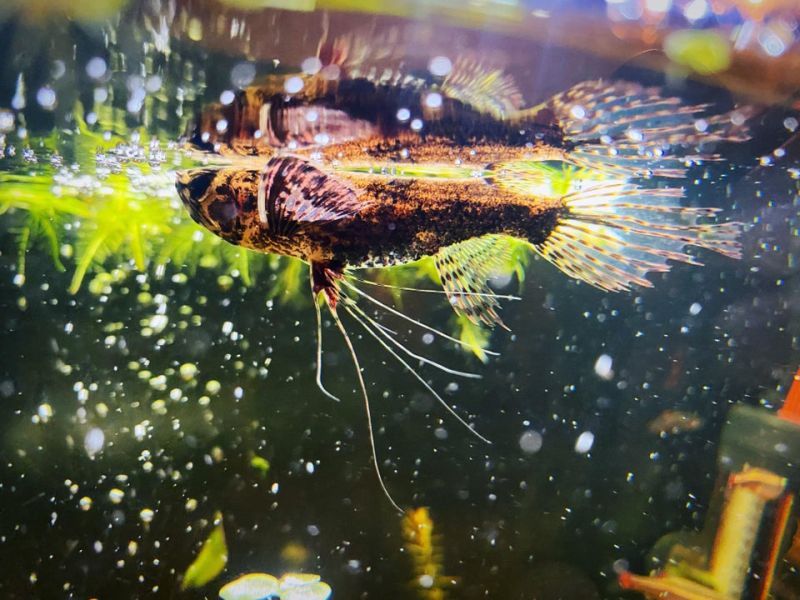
(749,26)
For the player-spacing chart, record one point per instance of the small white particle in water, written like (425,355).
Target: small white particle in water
(322,138)
(310,467)
(293,85)
(311,65)
(635,135)
(403,114)
(98,546)
(6,120)
(701,125)
(427,338)
(146,515)
(440,66)
(416,124)
(227,327)
(433,100)
(243,74)
(94,440)
(45,412)
(238,393)
(312,116)
(695,308)
(153,84)
(602,367)
(85,503)
(426,581)
(620,566)
(116,495)
(578,112)
(96,67)
(227,97)
(187,371)
(695,10)
(312,530)
(46,97)
(140,430)
(222,126)
(584,442)
(530,442)
(440,433)
(789,122)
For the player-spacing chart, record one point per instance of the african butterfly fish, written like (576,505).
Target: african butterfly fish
(352,170)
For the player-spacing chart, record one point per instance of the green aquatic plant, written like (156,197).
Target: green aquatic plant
(211,559)
(123,215)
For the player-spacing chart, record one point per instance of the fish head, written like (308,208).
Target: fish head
(211,202)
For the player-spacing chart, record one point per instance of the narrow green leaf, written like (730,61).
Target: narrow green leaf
(211,559)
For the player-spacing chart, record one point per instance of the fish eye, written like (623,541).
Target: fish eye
(199,184)
(223,211)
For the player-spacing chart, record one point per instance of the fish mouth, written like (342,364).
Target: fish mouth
(192,186)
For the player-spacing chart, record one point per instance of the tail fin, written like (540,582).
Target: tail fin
(628,130)
(612,235)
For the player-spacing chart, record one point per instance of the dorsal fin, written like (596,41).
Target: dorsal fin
(465,268)
(292,192)
(487,89)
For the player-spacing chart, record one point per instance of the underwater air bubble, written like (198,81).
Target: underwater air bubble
(311,66)
(46,97)
(96,67)
(94,440)
(440,66)
(433,100)
(602,367)
(531,442)
(293,85)
(584,442)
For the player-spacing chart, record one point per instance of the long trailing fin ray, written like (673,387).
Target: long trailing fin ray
(629,130)
(612,235)
(387,334)
(365,396)
(429,291)
(416,375)
(318,314)
(405,317)
(465,268)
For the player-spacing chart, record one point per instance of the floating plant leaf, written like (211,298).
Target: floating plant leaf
(292,586)
(211,559)
(260,464)
(303,586)
(253,586)
(703,51)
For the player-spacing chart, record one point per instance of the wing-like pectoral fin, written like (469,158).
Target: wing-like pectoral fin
(465,268)
(293,192)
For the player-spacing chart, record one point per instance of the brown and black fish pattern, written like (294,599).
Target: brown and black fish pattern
(346,171)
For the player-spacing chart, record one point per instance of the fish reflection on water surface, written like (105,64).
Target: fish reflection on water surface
(346,171)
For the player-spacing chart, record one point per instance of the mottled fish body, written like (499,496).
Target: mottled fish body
(346,170)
